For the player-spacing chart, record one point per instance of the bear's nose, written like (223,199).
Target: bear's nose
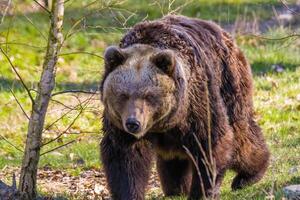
(132,125)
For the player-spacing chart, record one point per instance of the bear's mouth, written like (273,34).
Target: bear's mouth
(138,136)
(134,128)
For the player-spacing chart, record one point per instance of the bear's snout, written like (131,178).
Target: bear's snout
(133,125)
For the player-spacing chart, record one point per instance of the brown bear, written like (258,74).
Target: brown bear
(178,90)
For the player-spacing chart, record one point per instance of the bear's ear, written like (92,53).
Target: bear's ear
(113,57)
(164,60)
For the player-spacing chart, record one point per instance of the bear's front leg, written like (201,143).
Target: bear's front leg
(208,172)
(205,184)
(202,181)
(126,165)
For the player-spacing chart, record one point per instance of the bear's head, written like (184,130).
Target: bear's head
(142,88)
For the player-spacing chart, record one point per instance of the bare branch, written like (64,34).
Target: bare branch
(5,11)
(17,73)
(109,27)
(64,105)
(120,10)
(21,44)
(69,33)
(281,38)
(81,52)
(19,103)
(28,19)
(176,10)
(287,7)
(65,131)
(8,31)
(106,6)
(188,152)
(12,100)
(206,162)
(72,141)
(55,121)
(11,144)
(73,122)
(70,110)
(74,91)
(43,7)
(75,132)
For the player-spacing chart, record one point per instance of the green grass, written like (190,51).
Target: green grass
(276,97)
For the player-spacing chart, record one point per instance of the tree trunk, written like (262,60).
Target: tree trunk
(31,157)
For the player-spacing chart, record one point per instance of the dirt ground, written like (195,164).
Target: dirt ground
(89,184)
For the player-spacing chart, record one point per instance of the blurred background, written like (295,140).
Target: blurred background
(268,32)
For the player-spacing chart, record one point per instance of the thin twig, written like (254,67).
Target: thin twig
(287,7)
(69,33)
(44,8)
(62,116)
(266,38)
(208,165)
(75,133)
(81,52)
(4,138)
(19,104)
(8,31)
(55,121)
(21,44)
(66,130)
(108,27)
(5,11)
(74,91)
(103,7)
(179,7)
(64,105)
(35,27)
(19,76)
(188,152)
(58,147)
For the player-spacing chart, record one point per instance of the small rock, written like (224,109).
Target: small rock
(56,153)
(99,188)
(292,192)
(47,167)
(293,170)
(277,68)
(79,161)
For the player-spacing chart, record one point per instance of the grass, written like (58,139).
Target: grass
(277,95)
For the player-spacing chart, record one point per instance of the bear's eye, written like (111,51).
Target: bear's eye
(150,98)
(123,96)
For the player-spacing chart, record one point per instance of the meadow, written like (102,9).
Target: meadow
(89,27)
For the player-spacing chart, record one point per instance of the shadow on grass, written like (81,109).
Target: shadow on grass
(258,69)
(261,191)
(294,180)
(262,68)
(16,85)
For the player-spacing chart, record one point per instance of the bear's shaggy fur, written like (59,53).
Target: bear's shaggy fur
(210,125)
